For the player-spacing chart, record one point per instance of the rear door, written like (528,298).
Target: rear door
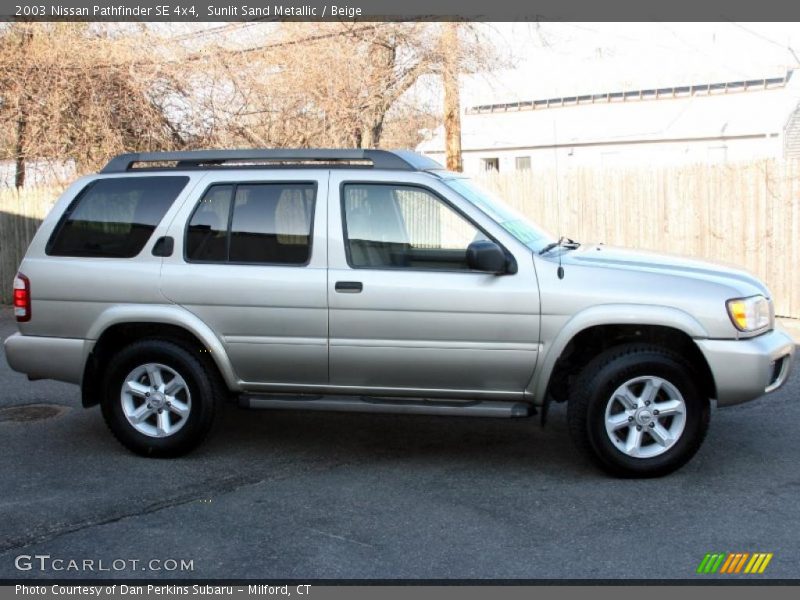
(251,262)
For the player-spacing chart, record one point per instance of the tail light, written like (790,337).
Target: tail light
(22,298)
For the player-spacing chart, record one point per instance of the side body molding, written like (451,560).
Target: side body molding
(168,314)
(603,314)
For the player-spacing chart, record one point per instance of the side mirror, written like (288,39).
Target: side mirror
(486,256)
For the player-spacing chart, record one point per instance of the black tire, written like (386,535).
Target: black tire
(594,387)
(203,385)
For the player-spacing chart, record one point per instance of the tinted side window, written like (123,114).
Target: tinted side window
(271,223)
(207,235)
(404,227)
(114,218)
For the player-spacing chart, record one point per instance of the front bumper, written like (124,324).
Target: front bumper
(748,368)
(41,357)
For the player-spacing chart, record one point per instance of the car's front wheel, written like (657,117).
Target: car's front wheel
(159,399)
(637,411)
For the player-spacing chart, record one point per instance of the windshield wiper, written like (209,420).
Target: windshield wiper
(563,242)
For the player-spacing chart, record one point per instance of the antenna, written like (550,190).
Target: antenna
(560,270)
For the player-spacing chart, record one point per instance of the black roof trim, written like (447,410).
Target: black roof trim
(402,160)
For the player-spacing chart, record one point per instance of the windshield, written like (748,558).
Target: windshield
(515,223)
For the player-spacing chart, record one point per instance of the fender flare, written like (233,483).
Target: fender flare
(168,314)
(606,314)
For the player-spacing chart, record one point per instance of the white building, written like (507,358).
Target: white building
(701,123)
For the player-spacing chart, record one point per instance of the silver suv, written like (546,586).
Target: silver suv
(373,281)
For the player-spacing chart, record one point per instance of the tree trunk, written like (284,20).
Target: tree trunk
(19,152)
(452,99)
(21,142)
(375,131)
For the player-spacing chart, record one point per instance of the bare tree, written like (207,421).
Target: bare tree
(77,92)
(87,91)
(337,84)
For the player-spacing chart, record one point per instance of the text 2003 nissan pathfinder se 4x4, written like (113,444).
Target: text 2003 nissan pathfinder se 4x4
(373,281)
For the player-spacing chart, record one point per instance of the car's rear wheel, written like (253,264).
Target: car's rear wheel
(159,399)
(637,411)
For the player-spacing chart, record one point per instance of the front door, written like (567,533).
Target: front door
(407,315)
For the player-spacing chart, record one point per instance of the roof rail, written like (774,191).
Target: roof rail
(402,160)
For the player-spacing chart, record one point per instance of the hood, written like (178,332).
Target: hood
(611,257)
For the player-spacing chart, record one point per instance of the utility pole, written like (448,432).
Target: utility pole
(452,99)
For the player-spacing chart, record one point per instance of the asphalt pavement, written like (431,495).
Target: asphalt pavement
(302,495)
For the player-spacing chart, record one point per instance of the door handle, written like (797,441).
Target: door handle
(349,287)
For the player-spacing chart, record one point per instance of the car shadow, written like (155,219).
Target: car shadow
(357,437)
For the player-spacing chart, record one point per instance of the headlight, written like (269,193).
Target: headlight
(749,314)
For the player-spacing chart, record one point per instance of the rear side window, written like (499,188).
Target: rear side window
(260,223)
(114,218)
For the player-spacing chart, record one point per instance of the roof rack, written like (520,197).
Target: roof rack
(402,160)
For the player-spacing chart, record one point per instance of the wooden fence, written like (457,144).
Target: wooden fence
(21,213)
(745,214)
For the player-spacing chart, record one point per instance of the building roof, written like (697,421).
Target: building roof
(710,110)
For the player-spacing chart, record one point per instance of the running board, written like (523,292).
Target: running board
(366,404)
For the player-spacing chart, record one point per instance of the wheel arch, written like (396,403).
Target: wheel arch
(122,325)
(600,327)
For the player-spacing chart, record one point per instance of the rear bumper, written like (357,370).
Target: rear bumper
(746,369)
(39,357)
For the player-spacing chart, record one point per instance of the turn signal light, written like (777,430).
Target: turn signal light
(750,314)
